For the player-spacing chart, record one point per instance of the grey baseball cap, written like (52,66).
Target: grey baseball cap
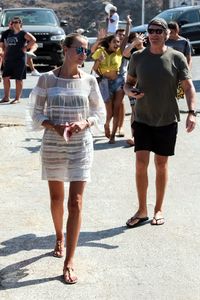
(160,22)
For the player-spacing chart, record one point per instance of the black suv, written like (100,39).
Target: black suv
(188,18)
(44,25)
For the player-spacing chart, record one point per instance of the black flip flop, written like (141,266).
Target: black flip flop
(5,100)
(15,101)
(140,220)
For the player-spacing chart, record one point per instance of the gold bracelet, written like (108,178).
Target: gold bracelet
(88,125)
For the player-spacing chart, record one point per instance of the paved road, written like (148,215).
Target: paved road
(112,262)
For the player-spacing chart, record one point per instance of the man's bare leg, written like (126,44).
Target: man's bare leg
(142,162)
(161,164)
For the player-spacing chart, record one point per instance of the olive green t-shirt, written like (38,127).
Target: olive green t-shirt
(158,76)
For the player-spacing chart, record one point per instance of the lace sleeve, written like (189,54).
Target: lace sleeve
(96,106)
(36,112)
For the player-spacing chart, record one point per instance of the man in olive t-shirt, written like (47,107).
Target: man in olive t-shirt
(156,71)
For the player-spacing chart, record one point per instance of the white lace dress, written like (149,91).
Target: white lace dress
(66,100)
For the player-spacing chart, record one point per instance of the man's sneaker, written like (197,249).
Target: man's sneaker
(35,73)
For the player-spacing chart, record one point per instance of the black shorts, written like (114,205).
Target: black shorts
(14,70)
(160,140)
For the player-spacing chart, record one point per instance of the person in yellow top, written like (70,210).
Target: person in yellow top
(109,62)
(108,59)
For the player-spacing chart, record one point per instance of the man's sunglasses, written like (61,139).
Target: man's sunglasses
(81,50)
(157,31)
(15,22)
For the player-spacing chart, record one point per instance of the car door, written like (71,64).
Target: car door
(191,29)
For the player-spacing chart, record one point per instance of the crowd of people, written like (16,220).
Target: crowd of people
(67,102)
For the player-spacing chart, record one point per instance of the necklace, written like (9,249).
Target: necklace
(60,70)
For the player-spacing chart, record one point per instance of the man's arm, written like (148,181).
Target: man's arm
(129,85)
(31,41)
(190,95)
(189,60)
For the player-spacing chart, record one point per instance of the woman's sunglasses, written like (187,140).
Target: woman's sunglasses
(157,31)
(15,22)
(81,50)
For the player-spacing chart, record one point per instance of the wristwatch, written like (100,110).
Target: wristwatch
(192,112)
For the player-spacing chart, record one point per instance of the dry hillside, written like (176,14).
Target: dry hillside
(83,13)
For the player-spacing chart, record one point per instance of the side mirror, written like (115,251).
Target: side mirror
(63,23)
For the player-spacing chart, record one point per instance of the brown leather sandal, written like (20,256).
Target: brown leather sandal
(68,275)
(112,140)
(59,249)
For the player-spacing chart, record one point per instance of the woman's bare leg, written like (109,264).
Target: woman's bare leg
(56,189)
(121,118)
(109,114)
(75,200)
(118,98)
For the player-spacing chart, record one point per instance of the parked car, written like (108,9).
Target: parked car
(140,29)
(46,28)
(188,18)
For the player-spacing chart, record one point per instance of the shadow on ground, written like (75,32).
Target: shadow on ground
(25,93)
(12,274)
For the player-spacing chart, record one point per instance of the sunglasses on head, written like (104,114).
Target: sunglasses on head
(157,31)
(81,50)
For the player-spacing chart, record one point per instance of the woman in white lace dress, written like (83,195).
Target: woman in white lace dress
(66,102)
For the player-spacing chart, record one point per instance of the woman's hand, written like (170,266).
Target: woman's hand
(60,128)
(24,49)
(73,127)
(140,39)
(76,127)
(128,20)
(101,57)
(101,33)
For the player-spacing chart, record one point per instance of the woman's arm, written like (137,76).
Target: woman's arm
(127,32)
(127,50)
(100,36)
(96,106)
(36,105)
(97,63)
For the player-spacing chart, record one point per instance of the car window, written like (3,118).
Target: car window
(31,17)
(191,16)
(170,15)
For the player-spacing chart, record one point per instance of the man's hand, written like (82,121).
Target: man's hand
(190,122)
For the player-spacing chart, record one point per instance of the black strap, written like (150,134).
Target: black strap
(59,72)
